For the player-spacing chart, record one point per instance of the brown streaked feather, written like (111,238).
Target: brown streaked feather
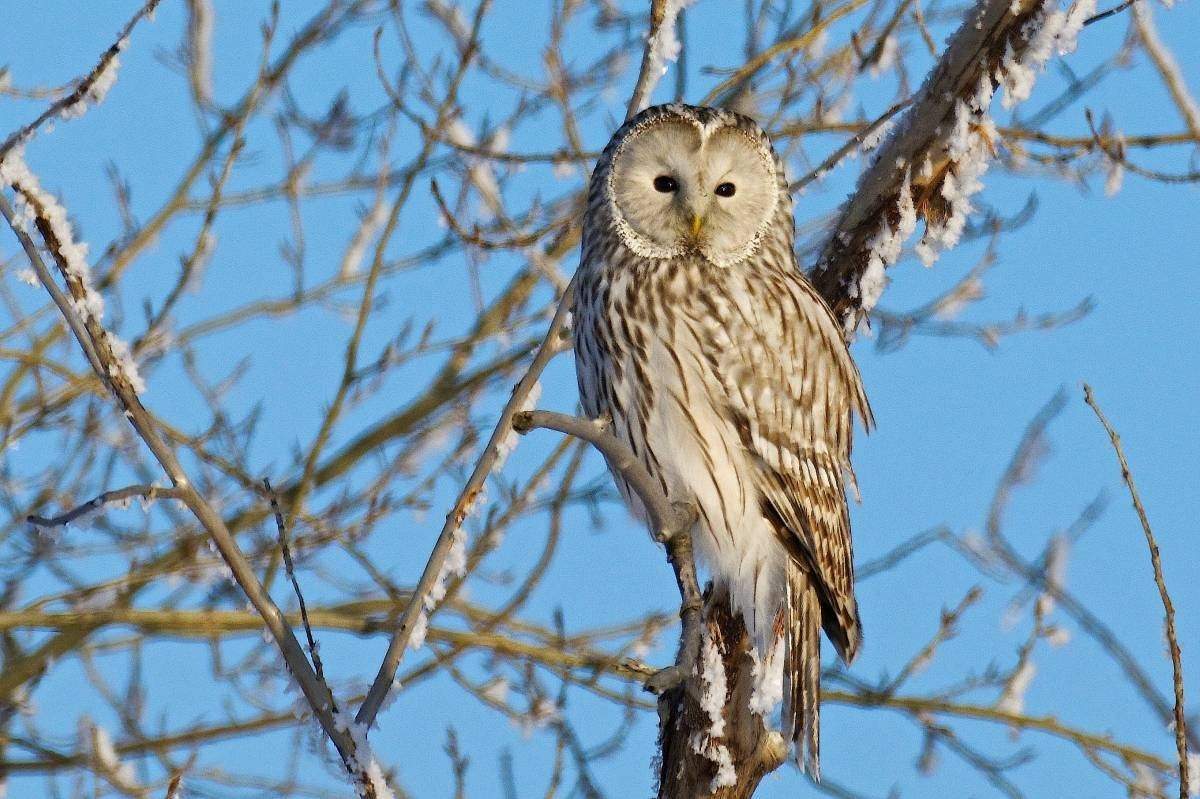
(795,411)
(802,672)
(735,381)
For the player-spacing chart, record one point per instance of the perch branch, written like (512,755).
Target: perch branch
(670,522)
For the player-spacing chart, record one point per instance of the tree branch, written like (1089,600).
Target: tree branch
(98,344)
(84,86)
(670,522)
(148,493)
(551,345)
(1181,742)
(913,165)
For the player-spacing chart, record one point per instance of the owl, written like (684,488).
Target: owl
(726,374)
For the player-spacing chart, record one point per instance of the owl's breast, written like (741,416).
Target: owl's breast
(647,355)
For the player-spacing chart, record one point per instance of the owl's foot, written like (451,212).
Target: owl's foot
(683,516)
(664,680)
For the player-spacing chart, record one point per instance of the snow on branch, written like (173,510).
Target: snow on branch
(374,782)
(34,207)
(715,696)
(106,761)
(91,88)
(933,162)
(662,47)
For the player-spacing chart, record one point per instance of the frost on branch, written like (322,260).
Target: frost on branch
(712,701)
(101,81)
(1012,700)
(34,202)
(1056,574)
(885,247)
(106,760)
(32,205)
(969,148)
(365,764)
(876,136)
(666,45)
(454,565)
(508,443)
(370,224)
(932,163)
(1048,32)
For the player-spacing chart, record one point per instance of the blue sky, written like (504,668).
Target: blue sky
(949,413)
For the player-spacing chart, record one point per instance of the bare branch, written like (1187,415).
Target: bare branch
(551,345)
(148,493)
(85,86)
(1181,742)
(1168,68)
(290,567)
(670,522)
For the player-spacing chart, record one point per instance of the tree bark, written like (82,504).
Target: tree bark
(685,771)
(972,55)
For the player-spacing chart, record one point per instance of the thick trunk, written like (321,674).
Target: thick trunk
(686,772)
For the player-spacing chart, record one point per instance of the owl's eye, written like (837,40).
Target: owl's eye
(666,184)
(726,190)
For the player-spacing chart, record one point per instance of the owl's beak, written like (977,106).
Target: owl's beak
(697,225)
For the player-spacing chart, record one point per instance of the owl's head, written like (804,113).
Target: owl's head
(689,180)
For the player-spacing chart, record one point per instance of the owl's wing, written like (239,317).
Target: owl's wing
(793,391)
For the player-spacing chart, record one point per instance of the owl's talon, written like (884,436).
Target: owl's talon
(663,680)
(684,516)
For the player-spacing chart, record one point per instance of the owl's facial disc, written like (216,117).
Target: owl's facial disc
(680,189)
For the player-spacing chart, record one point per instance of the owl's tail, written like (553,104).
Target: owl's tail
(802,671)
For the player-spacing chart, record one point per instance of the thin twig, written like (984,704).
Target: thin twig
(84,86)
(149,493)
(1181,743)
(852,144)
(1108,12)
(1168,68)
(290,567)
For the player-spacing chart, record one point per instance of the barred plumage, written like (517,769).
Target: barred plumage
(727,375)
